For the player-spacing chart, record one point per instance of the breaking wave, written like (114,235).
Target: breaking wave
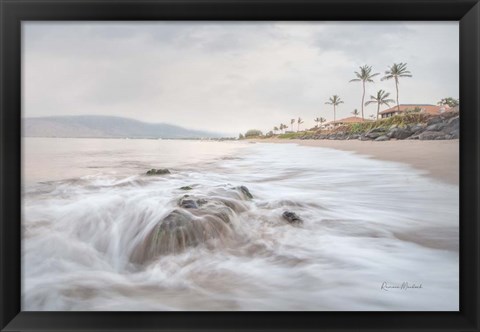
(213,235)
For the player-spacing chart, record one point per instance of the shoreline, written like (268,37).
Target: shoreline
(440,158)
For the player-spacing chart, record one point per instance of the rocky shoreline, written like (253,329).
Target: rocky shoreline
(441,127)
(198,217)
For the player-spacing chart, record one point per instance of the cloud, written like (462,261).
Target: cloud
(230,76)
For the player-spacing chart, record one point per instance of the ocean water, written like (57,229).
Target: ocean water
(98,234)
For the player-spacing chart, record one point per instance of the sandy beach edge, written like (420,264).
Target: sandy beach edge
(440,158)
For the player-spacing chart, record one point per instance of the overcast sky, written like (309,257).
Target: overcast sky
(229,77)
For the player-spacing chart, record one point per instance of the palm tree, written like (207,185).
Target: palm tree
(380,99)
(283,127)
(335,101)
(396,71)
(292,121)
(275,129)
(299,122)
(365,75)
(355,112)
(319,121)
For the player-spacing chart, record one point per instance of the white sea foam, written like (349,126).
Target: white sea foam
(366,222)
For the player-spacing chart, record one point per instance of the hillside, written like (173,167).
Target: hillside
(105,126)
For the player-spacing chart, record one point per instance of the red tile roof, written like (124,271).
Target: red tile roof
(351,119)
(426,108)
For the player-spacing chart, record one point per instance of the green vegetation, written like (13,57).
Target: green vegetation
(397,120)
(292,135)
(364,75)
(449,101)
(253,133)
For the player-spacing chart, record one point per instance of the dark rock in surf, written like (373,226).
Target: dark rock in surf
(198,219)
(202,201)
(292,217)
(159,171)
(186,188)
(188,204)
(182,229)
(246,192)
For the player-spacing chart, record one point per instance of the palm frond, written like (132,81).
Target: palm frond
(388,101)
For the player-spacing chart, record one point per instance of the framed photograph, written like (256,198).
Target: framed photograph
(239,165)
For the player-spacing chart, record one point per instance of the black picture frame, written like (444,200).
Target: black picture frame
(13,12)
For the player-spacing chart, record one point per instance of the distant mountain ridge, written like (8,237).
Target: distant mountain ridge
(98,126)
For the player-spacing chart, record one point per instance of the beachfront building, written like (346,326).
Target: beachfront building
(424,108)
(340,122)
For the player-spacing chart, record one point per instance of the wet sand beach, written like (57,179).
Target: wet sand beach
(439,158)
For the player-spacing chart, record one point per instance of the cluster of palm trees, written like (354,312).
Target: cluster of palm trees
(319,121)
(298,121)
(364,75)
(282,126)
